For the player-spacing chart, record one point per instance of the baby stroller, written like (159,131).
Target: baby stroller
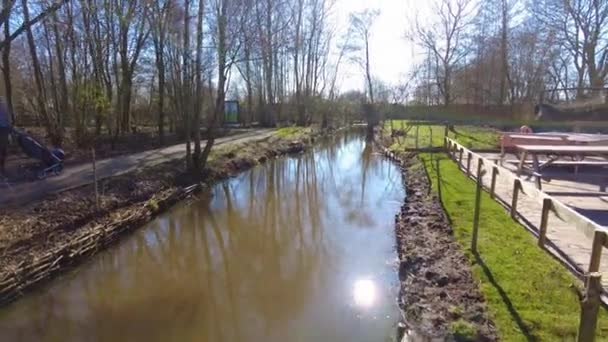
(52,159)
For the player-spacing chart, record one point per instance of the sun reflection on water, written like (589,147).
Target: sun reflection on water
(364,292)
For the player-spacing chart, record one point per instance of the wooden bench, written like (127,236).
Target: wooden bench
(555,153)
(509,141)
(574,163)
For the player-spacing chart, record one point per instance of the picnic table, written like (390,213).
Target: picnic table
(554,153)
(510,140)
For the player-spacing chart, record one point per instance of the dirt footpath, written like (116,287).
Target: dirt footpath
(43,238)
(82,174)
(439,297)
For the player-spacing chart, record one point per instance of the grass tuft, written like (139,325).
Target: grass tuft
(285,132)
(463,331)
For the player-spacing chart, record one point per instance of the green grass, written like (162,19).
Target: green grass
(463,330)
(285,132)
(469,136)
(526,290)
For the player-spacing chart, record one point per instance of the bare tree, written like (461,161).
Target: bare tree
(361,24)
(445,37)
(581,28)
(159,16)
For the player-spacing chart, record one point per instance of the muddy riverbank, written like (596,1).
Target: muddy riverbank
(40,240)
(439,297)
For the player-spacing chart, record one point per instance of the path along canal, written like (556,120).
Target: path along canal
(298,249)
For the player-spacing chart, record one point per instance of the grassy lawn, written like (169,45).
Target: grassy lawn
(293,131)
(526,289)
(469,136)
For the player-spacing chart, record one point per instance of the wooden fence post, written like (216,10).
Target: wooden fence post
(95,178)
(460,159)
(469,157)
(599,239)
(452,149)
(480,174)
(493,182)
(516,188)
(590,305)
(544,219)
(431,134)
(417,128)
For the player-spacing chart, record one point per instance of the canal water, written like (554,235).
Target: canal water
(298,249)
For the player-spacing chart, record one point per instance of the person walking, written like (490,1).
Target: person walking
(5,131)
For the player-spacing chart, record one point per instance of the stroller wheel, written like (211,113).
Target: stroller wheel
(41,175)
(57,169)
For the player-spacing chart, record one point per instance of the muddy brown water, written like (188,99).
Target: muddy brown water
(298,249)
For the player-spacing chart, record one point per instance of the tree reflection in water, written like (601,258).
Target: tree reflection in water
(275,254)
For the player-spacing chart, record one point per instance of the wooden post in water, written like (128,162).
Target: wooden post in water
(544,220)
(590,305)
(516,188)
(480,174)
(493,182)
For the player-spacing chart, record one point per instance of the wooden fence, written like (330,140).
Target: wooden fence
(598,235)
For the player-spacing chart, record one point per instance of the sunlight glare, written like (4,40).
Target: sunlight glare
(364,292)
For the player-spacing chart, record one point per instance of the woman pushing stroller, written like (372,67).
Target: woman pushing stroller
(52,160)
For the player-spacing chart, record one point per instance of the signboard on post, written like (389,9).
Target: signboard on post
(231,112)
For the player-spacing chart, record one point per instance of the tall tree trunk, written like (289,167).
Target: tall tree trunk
(199,88)
(6,66)
(268,63)
(51,72)
(186,89)
(296,65)
(248,85)
(63,85)
(368,73)
(50,124)
(159,49)
(221,79)
(503,52)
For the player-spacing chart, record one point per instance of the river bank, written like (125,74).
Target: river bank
(439,297)
(46,237)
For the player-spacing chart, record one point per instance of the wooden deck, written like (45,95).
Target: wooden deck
(572,243)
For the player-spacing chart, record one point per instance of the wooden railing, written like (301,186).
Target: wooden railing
(597,234)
